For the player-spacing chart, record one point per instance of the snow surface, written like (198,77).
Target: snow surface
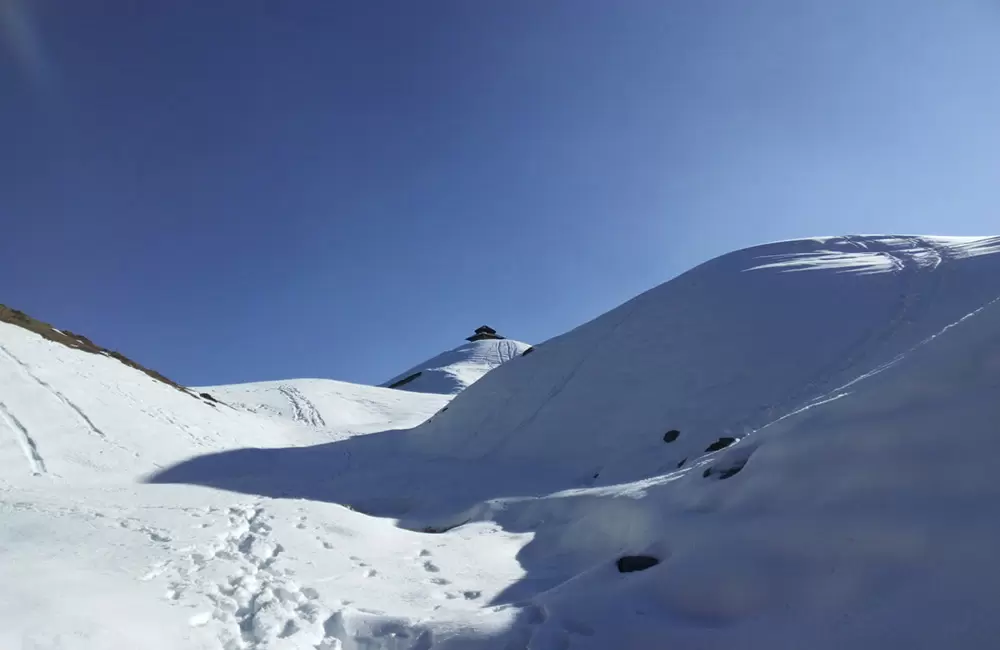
(328,403)
(455,370)
(858,374)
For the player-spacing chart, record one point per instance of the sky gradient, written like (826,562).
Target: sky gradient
(234,191)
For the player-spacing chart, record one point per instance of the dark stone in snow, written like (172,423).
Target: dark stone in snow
(724,473)
(405,380)
(671,435)
(437,530)
(732,471)
(630,563)
(681,464)
(721,443)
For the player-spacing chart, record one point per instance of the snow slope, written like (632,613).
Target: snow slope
(328,403)
(88,417)
(857,378)
(455,370)
(93,558)
(719,351)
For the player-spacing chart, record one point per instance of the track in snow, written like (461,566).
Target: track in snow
(86,421)
(248,601)
(28,444)
(302,409)
(919,270)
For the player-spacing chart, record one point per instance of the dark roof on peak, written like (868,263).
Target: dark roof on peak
(483,333)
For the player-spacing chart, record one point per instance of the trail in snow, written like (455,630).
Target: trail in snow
(242,593)
(28,444)
(257,602)
(507,350)
(451,372)
(302,409)
(84,419)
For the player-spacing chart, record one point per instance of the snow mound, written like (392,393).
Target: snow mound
(455,370)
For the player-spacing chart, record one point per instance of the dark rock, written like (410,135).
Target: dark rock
(671,435)
(721,443)
(208,397)
(681,464)
(723,474)
(405,380)
(437,530)
(630,563)
(731,471)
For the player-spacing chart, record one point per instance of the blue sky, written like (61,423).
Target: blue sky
(233,191)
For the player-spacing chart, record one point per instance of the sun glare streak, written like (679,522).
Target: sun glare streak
(19,36)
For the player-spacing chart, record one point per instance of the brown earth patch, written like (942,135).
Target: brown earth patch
(75,341)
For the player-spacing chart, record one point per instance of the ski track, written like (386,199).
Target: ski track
(302,409)
(78,413)
(81,416)
(924,260)
(28,444)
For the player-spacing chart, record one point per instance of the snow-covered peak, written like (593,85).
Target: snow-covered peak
(455,370)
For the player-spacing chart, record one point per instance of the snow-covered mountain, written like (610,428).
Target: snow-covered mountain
(455,370)
(790,446)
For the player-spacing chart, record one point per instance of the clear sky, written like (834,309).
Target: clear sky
(242,190)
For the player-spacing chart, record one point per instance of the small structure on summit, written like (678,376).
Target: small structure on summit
(483,333)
